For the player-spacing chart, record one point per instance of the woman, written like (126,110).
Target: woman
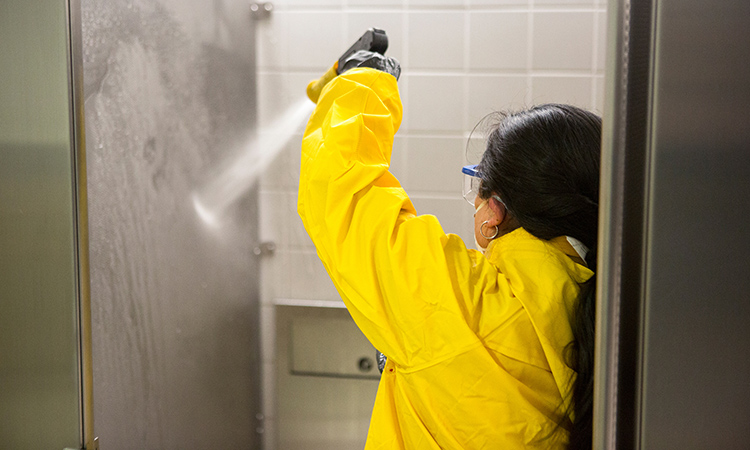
(483,349)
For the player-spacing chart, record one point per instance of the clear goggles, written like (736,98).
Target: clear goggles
(471,183)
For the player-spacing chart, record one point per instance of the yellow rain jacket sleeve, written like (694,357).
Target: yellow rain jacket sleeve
(474,344)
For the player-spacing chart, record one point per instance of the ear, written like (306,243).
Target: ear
(498,212)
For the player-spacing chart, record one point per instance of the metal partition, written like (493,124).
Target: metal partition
(170,100)
(45,360)
(673,365)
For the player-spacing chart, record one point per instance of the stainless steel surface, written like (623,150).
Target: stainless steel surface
(673,339)
(610,235)
(170,96)
(330,346)
(622,229)
(315,412)
(696,393)
(40,276)
(80,188)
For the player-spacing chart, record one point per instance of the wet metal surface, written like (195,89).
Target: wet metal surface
(170,93)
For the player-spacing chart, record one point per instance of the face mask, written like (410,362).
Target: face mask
(479,247)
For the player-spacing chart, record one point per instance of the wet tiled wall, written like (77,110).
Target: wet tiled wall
(461,59)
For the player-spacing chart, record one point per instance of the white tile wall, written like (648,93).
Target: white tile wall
(499,40)
(436,41)
(434,164)
(575,90)
(486,92)
(563,40)
(461,60)
(391,21)
(436,103)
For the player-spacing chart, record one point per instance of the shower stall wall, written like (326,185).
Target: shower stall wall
(169,98)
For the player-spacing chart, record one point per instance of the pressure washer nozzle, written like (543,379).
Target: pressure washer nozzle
(374,40)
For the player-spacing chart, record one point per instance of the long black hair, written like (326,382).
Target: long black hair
(544,164)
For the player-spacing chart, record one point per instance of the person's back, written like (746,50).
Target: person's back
(476,344)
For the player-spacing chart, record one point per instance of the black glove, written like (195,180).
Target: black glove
(365,58)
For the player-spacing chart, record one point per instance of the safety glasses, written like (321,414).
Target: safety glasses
(471,183)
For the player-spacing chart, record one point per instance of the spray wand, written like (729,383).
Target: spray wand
(374,40)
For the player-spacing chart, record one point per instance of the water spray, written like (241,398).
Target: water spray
(241,173)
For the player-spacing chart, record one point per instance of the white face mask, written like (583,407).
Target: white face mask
(479,247)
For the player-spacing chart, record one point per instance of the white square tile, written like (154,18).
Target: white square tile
(490,93)
(403,87)
(377,3)
(315,4)
(276,177)
(436,103)
(283,171)
(434,164)
(274,276)
(308,279)
(436,40)
(272,218)
(390,22)
(297,83)
(570,90)
(273,97)
(288,176)
(503,3)
(454,214)
(268,333)
(563,40)
(498,40)
(476,144)
(272,42)
(600,96)
(563,3)
(297,237)
(279,221)
(316,39)
(399,167)
(269,387)
(601,40)
(439,3)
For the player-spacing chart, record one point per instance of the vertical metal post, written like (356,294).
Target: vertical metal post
(622,224)
(80,204)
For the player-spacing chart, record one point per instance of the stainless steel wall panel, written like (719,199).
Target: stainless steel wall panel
(170,96)
(696,393)
(39,334)
(674,343)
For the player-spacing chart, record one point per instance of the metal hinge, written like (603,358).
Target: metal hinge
(260,11)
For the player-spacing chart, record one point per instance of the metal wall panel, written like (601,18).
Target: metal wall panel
(170,97)
(696,393)
(673,361)
(40,370)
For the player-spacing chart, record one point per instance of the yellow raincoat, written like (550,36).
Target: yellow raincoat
(474,343)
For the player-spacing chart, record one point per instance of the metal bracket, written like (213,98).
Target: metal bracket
(261,11)
(265,249)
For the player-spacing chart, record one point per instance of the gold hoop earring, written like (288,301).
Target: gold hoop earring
(497,230)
